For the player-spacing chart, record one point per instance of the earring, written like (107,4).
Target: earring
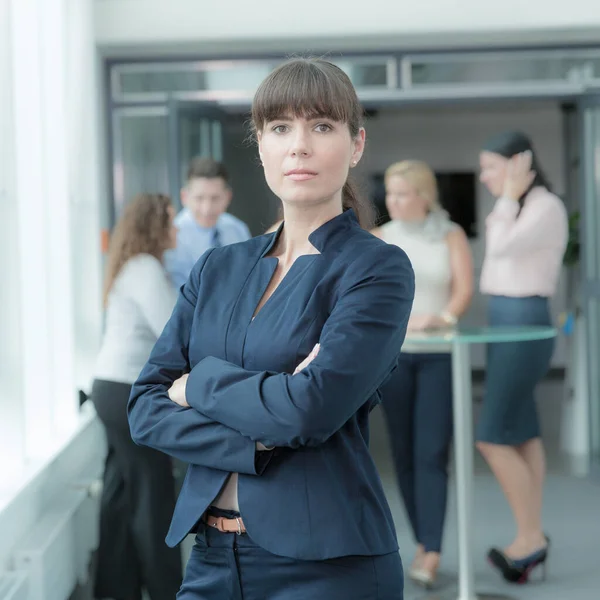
(353,163)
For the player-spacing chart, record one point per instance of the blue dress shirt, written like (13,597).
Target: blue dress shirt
(318,495)
(193,241)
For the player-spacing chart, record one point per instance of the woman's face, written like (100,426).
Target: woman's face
(493,172)
(172,235)
(306,161)
(403,201)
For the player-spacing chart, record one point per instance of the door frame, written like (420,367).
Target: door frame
(589,207)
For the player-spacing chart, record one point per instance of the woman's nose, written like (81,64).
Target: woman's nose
(300,144)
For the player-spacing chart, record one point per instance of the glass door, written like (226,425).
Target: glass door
(590,280)
(196,129)
(205,129)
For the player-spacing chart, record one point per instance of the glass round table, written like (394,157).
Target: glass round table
(460,339)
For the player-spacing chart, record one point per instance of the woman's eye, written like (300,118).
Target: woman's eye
(323,128)
(280,128)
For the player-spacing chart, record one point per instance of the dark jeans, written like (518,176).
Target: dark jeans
(417,401)
(227,566)
(137,504)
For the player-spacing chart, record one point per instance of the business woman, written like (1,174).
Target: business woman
(417,399)
(265,375)
(138,496)
(526,237)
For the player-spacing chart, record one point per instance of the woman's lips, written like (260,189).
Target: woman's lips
(300,175)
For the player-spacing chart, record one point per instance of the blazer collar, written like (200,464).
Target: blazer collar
(327,236)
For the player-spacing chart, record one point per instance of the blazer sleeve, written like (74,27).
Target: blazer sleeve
(157,422)
(360,344)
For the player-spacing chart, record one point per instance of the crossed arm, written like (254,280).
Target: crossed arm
(359,345)
(232,408)
(186,434)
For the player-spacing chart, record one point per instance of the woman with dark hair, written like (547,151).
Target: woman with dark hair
(138,496)
(264,378)
(525,242)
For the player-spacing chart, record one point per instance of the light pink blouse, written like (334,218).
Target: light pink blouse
(523,255)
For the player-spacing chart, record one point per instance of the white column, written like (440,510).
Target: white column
(55,201)
(54,84)
(87,183)
(575,427)
(33,233)
(12,416)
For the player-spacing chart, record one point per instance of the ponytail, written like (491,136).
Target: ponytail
(363,208)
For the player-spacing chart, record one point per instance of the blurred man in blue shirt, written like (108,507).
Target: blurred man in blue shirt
(203,222)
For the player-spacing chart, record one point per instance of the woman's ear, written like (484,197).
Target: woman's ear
(359,147)
(259,143)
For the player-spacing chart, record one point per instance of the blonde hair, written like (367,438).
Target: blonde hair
(421,177)
(144,227)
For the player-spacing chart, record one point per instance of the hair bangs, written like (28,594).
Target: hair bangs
(307,89)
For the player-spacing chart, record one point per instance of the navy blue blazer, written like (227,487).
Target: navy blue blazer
(318,495)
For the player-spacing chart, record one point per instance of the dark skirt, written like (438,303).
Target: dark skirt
(227,566)
(509,415)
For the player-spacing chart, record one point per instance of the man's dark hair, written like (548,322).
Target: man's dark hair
(207,168)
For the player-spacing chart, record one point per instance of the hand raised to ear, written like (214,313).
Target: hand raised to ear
(519,176)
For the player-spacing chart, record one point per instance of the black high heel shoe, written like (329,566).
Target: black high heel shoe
(519,570)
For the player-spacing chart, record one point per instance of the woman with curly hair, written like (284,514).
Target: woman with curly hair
(139,489)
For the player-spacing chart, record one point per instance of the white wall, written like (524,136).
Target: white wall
(389,22)
(449,138)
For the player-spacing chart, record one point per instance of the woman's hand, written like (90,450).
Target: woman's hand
(308,359)
(519,176)
(426,322)
(177,391)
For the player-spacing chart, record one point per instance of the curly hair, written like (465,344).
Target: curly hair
(142,228)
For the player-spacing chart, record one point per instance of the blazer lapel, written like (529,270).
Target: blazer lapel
(250,295)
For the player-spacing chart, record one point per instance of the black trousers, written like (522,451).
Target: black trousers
(417,402)
(137,504)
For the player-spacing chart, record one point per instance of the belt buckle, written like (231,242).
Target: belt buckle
(239,524)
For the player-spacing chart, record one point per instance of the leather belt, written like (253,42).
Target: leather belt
(226,525)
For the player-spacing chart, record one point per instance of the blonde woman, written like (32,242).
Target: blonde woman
(139,489)
(417,400)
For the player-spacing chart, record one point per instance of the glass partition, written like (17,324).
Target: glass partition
(484,68)
(500,69)
(205,79)
(140,154)
(190,77)
(373,74)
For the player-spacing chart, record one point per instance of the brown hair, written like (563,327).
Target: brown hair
(312,88)
(207,168)
(420,176)
(142,228)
